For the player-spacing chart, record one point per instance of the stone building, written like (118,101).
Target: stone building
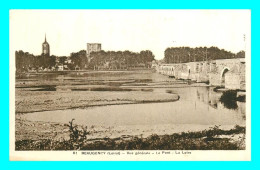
(92,47)
(45,47)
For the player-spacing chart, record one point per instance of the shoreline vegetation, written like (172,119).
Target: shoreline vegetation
(214,138)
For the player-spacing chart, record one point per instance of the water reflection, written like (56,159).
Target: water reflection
(220,100)
(228,98)
(196,106)
(232,104)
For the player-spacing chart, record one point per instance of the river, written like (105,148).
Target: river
(198,108)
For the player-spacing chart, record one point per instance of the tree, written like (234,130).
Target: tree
(187,54)
(147,57)
(240,54)
(79,59)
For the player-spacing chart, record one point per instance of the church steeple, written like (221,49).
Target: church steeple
(45,47)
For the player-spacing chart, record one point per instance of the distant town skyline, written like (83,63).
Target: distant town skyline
(69,31)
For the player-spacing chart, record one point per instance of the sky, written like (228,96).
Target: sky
(134,30)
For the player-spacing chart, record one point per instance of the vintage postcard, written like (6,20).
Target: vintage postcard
(130,85)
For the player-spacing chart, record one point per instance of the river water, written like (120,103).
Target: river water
(198,108)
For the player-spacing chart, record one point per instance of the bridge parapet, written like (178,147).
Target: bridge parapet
(214,72)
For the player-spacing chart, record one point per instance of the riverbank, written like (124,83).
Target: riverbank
(79,138)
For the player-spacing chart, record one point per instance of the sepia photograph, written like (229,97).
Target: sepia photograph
(130,84)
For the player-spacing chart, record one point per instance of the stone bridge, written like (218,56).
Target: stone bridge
(228,73)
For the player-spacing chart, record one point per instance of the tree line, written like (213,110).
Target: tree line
(102,59)
(120,59)
(187,54)
(25,61)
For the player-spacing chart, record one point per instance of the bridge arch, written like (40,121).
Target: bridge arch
(223,73)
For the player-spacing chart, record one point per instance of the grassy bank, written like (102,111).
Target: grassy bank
(210,139)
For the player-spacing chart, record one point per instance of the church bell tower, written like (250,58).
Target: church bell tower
(45,47)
